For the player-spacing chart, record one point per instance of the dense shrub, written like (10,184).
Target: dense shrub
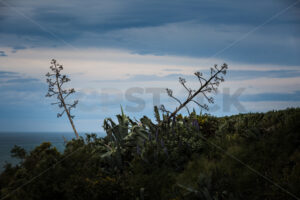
(191,157)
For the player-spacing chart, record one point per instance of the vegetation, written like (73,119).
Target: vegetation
(198,156)
(247,156)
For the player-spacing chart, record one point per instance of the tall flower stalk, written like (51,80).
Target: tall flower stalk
(207,85)
(56,81)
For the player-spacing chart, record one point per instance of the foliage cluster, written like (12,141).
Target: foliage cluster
(246,156)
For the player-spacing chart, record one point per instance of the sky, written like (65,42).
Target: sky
(124,53)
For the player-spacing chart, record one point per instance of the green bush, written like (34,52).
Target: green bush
(191,157)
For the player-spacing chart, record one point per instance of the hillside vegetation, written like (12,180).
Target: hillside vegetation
(246,156)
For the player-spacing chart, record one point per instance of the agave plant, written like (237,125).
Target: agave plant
(123,136)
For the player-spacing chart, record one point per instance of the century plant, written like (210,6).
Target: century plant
(55,81)
(127,134)
(124,135)
(206,86)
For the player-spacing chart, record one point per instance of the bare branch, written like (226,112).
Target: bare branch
(204,106)
(206,86)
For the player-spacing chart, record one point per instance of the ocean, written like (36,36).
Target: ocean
(29,141)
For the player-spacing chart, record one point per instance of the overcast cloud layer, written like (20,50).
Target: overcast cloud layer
(109,47)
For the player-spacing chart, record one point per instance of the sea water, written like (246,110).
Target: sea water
(29,141)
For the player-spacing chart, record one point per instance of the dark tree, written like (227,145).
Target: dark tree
(18,152)
(207,85)
(55,81)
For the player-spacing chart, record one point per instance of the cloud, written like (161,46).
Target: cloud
(7,77)
(119,71)
(231,75)
(198,29)
(264,106)
(111,68)
(144,78)
(18,47)
(17,88)
(286,97)
(254,74)
(23,80)
(172,70)
(4,74)
(2,53)
(145,44)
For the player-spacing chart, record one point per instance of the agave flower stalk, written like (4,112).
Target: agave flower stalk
(56,89)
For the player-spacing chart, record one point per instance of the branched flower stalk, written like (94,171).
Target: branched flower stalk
(55,89)
(207,85)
